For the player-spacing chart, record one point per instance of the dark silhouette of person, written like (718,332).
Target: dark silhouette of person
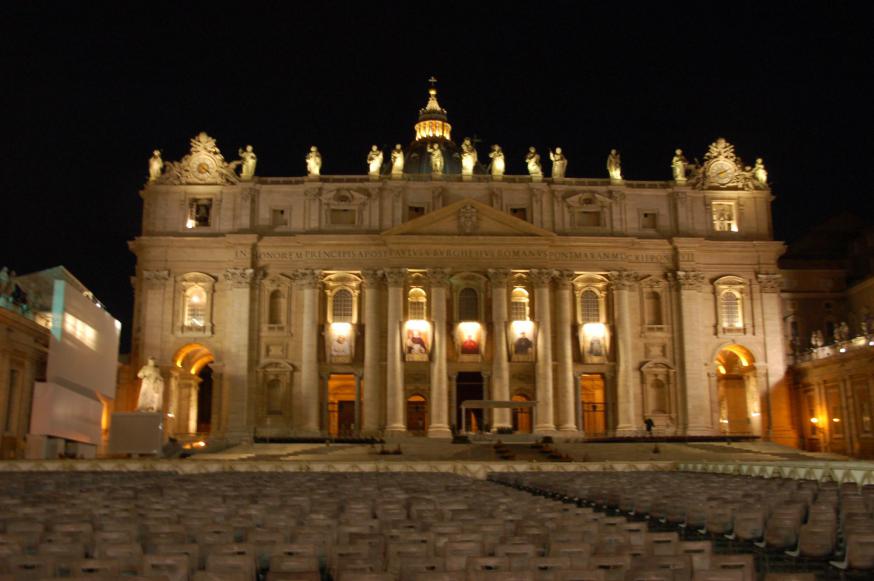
(649,426)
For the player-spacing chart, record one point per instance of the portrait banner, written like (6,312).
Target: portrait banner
(340,342)
(521,340)
(417,336)
(470,339)
(594,342)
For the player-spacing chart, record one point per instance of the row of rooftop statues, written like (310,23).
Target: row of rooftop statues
(680,166)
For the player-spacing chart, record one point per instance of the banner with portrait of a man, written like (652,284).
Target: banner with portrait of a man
(340,342)
(470,341)
(416,336)
(521,340)
(594,342)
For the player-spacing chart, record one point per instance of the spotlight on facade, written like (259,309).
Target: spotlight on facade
(469,327)
(522,327)
(843,349)
(871,343)
(417,325)
(594,329)
(836,420)
(814,420)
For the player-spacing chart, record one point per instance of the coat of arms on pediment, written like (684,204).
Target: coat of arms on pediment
(722,169)
(468,219)
(204,164)
(345,197)
(583,199)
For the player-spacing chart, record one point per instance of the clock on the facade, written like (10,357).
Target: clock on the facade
(721,172)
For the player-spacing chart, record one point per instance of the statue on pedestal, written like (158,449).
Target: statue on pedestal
(436,158)
(559,163)
(397,160)
(532,160)
(760,174)
(614,166)
(374,161)
(314,161)
(151,397)
(156,165)
(249,160)
(497,165)
(678,166)
(468,157)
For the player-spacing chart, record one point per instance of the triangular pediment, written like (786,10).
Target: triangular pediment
(467,217)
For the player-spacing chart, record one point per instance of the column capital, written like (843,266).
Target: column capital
(239,277)
(499,276)
(541,277)
(769,283)
(307,278)
(690,279)
(395,276)
(438,277)
(371,278)
(623,279)
(156,277)
(565,278)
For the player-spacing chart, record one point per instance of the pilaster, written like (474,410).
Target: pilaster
(628,396)
(439,426)
(306,391)
(500,363)
(543,366)
(374,386)
(237,284)
(394,366)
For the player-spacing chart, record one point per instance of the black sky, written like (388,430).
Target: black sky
(91,88)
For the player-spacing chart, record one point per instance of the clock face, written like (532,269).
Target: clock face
(203,168)
(721,172)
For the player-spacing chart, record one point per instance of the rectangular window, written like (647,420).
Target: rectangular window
(199,213)
(278,217)
(417,310)
(588,219)
(342,217)
(521,213)
(724,217)
(649,220)
(518,311)
(414,212)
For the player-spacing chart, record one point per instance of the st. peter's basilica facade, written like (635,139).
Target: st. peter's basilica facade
(380,303)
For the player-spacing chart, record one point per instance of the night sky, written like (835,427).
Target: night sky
(90,89)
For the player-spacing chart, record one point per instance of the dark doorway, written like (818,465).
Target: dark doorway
(204,400)
(345,417)
(469,386)
(417,415)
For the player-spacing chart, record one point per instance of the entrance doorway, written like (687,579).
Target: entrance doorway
(469,386)
(593,404)
(189,395)
(341,404)
(204,400)
(417,414)
(736,387)
(521,416)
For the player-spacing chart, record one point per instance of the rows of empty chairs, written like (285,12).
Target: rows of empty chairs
(797,525)
(356,527)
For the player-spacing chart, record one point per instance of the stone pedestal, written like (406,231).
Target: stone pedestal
(136,433)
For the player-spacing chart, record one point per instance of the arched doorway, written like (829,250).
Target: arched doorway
(417,414)
(521,416)
(593,404)
(341,404)
(190,397)
(739,411)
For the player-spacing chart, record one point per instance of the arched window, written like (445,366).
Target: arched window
(274,396)
(732,317)
(519,304)
(417,303)
(274,312)
(468,305)
(590,306)
(653,307)
(195,307)
(342,306)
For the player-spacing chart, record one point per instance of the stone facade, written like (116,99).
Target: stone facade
(378,303)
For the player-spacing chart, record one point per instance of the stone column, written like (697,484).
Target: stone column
(238,288)
(628,401)
(439,425)
(306,392)
(394,409)
(565,353)
(357,429)
(778,397)
(500,363)
(543,366)
(701,398)
(373,384)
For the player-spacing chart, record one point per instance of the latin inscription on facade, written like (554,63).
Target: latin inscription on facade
(476,253)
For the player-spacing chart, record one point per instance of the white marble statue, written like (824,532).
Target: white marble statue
(397,160)
(249,160)
(436,158)
(374,161)
(314,161)
(678,166)
(532,160)
(614,166)
(468,157)
(156,165)
(151,388)
(559,163)
(497,165)
(760,174)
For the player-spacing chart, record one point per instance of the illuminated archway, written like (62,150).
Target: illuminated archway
(417,414)
(737,389)
(521,416)
(190,405)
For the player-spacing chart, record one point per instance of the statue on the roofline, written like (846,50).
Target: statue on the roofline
(559,163)
(760,174)
(156,165)
(314,161)
(249,160)
(678,166)
(468,157)
(614,166)
(497,165)
(532,160)
(151,397)
(374,160)
(397,160)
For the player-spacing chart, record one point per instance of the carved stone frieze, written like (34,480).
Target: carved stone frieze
(769,283)
(239,277)
(156,276)
(307,278)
